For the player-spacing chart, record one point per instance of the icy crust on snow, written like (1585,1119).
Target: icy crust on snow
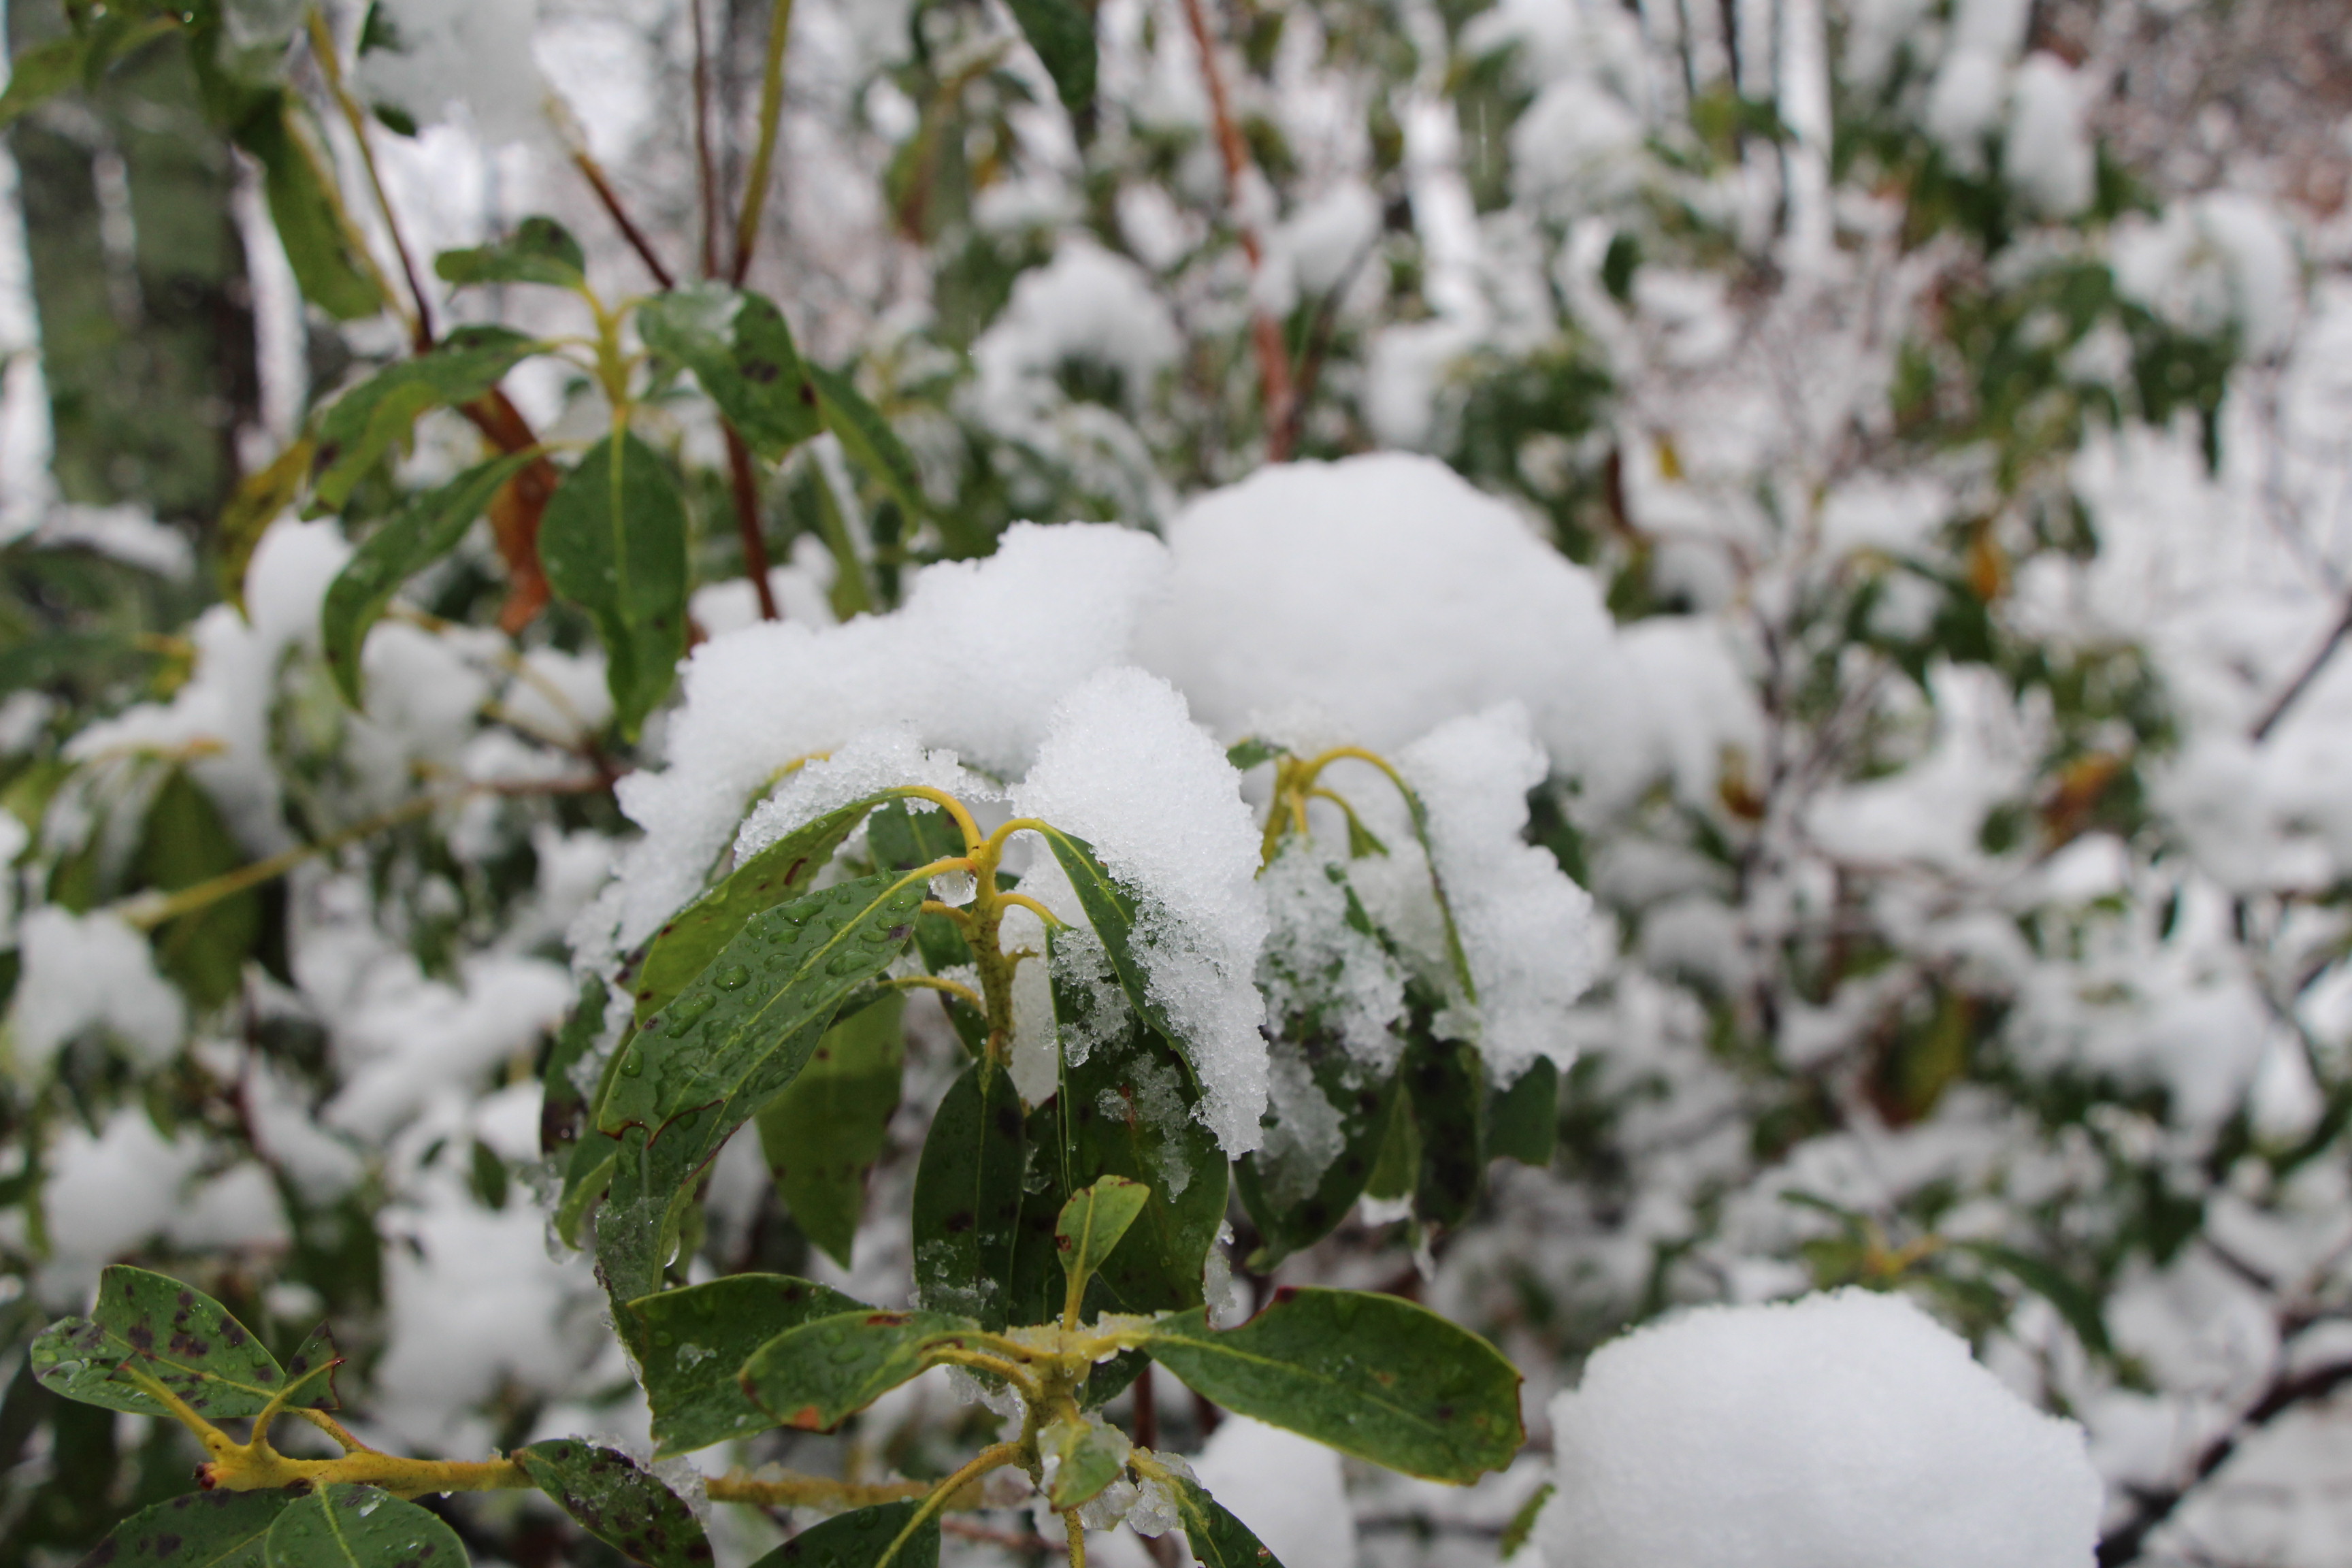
(973,663)
(86,972)
(1125,768)
(874,761)
(1526,929)
(1839,1431)
(1383,591)
(1317,963)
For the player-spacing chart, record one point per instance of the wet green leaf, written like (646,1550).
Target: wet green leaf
(1371,1375)
(967,1206)
(541,251)
(690,939)
(817,1376)
(148,1327)
(1090,1455)
(1093,1222)
(1111,910)
(868,440)
(184,842)
(1448,1085)
(332,273)
(1523,1120)
(824,1133)
(693,1343)
(346,1526)
(564,1102)
(365,422)
(617,1502)
(1288,1219)
(858,1539)
(1250,751)
(741,352)
(613,542)
(198,1530)
(422,531)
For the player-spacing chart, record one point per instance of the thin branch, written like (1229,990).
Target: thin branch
(771,113)
(330,65)
(1266,332)
(595,173)
(2126,1542)
(743,480)
(706,170)
(2302,682)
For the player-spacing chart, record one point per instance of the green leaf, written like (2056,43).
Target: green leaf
(733,1039)
(311,1372)
(686,943)
(363,424)
(563,1103)
(1447,1082)
(196,1530)
(1371,1375)
(344,1526)
(184,842)
(1218,1539)
(1523,1120)
(740,348)
(334,274)
(541,251)
(148,1328)
(1398,1164)
(966,1205)
(1093,1222)
(1517,1534)
(422,531)
(824,1133)
(2077,1303)
(1090,1455)
(1063,34)
(902,839)
(41,72)
(1288,1218)
(868,440)
(614,542)
(859,1540)
(1111,910)
(817,1376)
(616,1502)
(692,1342)
(1250,751)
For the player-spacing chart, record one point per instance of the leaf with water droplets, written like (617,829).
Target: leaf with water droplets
(1373,1375)
(617,1502)
(346,1526)
(819,1374)
(858,1539)
(147,1328)
(828,1128)
(196,1530)
(693,1343)
(701,1067)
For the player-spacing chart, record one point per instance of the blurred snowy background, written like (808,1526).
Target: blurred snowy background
(1897,453)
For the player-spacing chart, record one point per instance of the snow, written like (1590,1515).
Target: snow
(2047,155)
(90,972)
(1123,768)
(1840,1431)
(1087,303)
(458,53)
(1288,1489)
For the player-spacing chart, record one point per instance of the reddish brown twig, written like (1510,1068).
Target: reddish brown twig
(595,174)
(745,483)
(706,168)
(1266,332)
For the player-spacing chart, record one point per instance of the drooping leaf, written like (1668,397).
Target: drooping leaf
(332,272)
(612,541)
(184,842)
(1218,1539)
(690,939)
(1111,910)
(868,440)
(967,1204)
(541,251)
(365,422)
(1063,34)
(1373,1375)
(693,1343)
(858,1539)
(1523,1120)
(344,1526)
(740,348)
(1289,1220)
(148,1327)
(195,1530)
(1093,1222)
(1448,1085)
(616,1502)
(1090,1455)
(818,1375)
(733,1039)
(824,1133)
(422,531)
(563,1102)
